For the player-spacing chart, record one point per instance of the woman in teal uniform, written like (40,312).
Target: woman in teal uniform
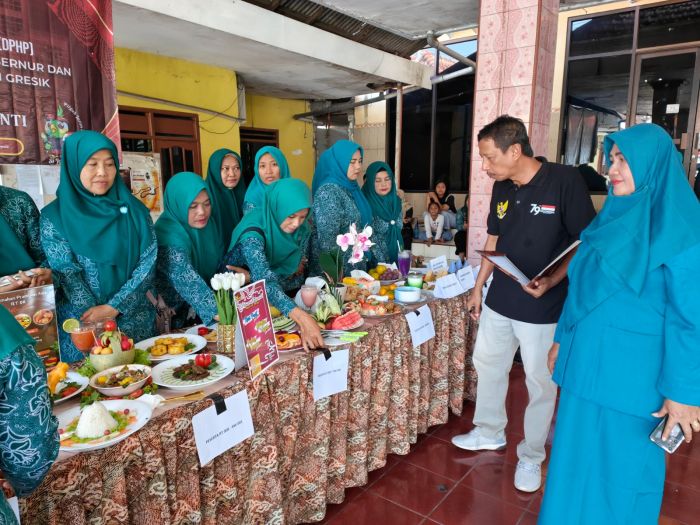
(626,347)
(338,200)
(271,242)
(270,165)
(28,429)
(226,190)
(380,190)
(189,250)
(99,242)
(20,241)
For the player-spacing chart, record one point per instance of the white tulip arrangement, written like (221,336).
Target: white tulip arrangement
(224,284)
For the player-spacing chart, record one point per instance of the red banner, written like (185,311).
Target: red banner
(56,76)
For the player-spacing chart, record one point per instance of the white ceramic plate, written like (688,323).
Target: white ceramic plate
(197,340)
(71,377)
(163,373)
(193,331)
(141,411)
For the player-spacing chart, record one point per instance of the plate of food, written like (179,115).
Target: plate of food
(121,380)
(24,320)
(43,317)
(188,372)
(288,341)
(168,346)
(372,308)
(101,424)
(71,386)
(207,332)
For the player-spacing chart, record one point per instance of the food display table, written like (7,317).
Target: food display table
(304,454)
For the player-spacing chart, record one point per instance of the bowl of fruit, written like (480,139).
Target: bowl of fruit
(112,348)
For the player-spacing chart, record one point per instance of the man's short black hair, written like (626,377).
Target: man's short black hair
(506,131)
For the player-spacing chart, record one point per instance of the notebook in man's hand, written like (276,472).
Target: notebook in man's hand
(503,263)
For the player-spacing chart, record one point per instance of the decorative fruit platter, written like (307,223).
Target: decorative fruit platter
(288,341)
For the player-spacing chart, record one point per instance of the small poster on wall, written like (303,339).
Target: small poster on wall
(35,310)
(141,174)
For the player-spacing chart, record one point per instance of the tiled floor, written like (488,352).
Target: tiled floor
(439,483)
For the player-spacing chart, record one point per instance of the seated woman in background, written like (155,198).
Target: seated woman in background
(445,202)
(435,230)
(338,201)
(28,429)
(99,241)
(380,190)
(189,250)
(20,241)
(271,242)
(270,165)
(226,190)
(462,227)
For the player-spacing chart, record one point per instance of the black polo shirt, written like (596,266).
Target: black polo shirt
(535,223)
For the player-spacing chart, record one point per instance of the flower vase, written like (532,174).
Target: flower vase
(226,338)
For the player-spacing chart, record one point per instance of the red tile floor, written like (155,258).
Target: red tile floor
(439,483)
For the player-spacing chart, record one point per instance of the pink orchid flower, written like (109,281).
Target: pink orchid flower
(344,241)
(357,254)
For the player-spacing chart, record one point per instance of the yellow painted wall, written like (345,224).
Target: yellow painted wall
(296,137)
(184,82)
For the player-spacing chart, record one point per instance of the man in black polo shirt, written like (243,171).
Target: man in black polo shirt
(537,210)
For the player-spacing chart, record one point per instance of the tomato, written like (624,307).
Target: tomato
(136,394)
(110,326)
(203,360)
(68,391)
(202,330)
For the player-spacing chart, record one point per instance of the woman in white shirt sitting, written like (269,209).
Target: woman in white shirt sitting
(434,226)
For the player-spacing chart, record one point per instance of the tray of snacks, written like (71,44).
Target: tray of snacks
(168,346)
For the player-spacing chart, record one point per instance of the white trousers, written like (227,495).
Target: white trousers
(496,343)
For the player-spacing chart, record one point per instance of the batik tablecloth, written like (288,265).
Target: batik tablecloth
(304,454)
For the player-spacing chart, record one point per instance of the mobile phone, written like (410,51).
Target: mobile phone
(674,439)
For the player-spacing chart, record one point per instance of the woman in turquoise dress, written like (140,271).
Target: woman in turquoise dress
(271,242)
(380,190)
(270,165)
(189,250)
(20,241)
(338,201)
(226,189)
(99,242)
(28,429)
(626,346)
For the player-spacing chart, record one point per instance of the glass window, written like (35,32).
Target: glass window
(466,48)
(427,57)
(602,34)
(669,24)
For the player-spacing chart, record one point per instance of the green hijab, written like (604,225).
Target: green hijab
(283,250)
(257,190)
(13,256)
(13,335)
(386,207)
(226,203)
(112,230)
(634,234)
(203,245)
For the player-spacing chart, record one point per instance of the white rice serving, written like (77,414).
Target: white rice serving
(94,420)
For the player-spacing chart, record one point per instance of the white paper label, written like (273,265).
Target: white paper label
(420,322)
(438,264)
(215,434)
(673,108)
(447,287)
(14,505)
(331,376)
(466,279)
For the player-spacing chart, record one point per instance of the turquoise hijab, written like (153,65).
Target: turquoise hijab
(13,335)
(13,256)
(332,168)
(283,250)
(226,203)
(256,192)
(112,230)
(386,207)
(203,245)
(635,234)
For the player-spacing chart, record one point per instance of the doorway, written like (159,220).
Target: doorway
(666,86)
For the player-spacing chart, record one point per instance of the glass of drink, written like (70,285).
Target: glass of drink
(308,295)
(84,337)
(404,262)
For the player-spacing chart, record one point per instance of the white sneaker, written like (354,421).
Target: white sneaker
(528,476)
(475,441)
